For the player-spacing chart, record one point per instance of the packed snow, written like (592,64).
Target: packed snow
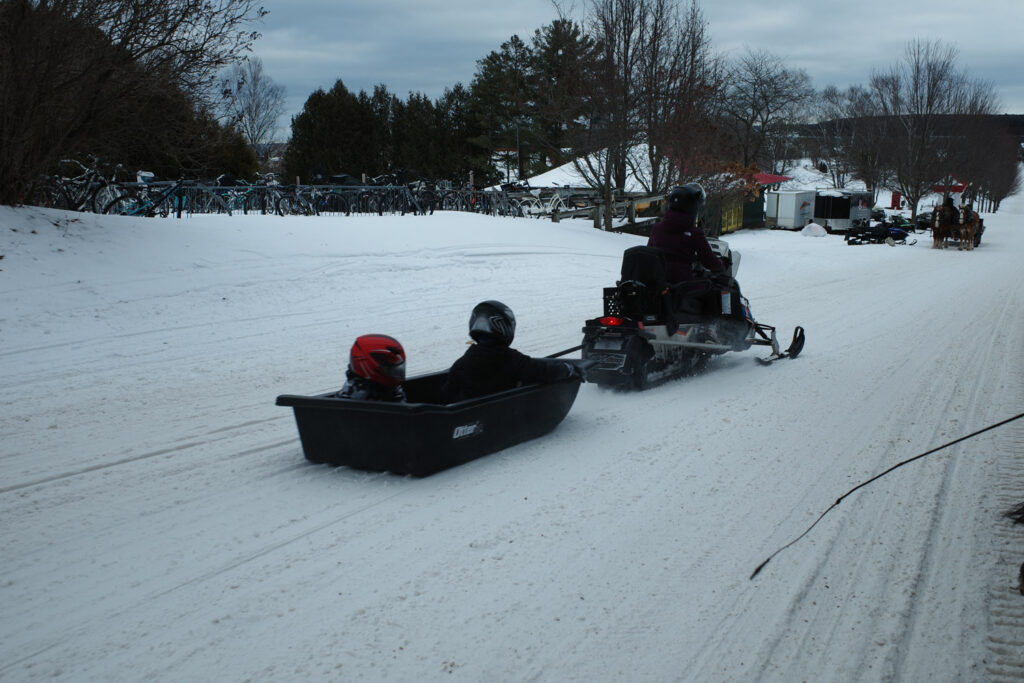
(160,523)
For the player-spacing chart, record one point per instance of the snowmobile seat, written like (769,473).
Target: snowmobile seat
(644,289)
(645,265)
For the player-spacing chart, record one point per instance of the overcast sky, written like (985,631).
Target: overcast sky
(426,46)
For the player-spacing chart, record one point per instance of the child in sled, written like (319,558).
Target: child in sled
(376,370)
(492,365)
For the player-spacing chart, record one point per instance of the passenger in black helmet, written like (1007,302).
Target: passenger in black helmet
(680,238)
(491,365)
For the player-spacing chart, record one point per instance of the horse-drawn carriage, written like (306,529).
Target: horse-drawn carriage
(963,226)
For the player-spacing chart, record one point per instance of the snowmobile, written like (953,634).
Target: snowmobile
(881,233)
(653,331)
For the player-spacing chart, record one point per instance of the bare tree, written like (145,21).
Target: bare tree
(186,41)
(869,135)
(763,99)
(987,157)
(608,92)
(833,134)
(851,136)
(679,81)
(915,94)
(252,102)
(641,100)
(67,67)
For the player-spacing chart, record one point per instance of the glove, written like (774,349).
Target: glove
(578,369)
(722,279)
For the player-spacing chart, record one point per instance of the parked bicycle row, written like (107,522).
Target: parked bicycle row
(84,187)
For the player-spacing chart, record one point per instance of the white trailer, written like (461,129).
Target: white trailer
(789,209)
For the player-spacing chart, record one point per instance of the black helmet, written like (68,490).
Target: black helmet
(492,319)
(688,198)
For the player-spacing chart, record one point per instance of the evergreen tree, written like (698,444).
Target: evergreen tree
(502,100)
(459,152)
(415,136)
(330,136)
(560,51)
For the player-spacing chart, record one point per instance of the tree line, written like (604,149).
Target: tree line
(619,88)
(633,87)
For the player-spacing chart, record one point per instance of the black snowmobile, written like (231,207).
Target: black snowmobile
(653,331)
(892,233)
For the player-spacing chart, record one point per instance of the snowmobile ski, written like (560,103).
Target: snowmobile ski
(795,347)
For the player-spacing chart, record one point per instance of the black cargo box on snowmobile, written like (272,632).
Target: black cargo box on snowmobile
(422,436)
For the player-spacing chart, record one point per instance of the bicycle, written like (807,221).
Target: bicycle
(234,193)
(261,196)
(531,207)
(289,202)
(179,197)
(90,190)
(424,193)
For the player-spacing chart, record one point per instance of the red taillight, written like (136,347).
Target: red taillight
(610,321)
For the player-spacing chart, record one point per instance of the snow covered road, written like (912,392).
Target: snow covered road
(159,521)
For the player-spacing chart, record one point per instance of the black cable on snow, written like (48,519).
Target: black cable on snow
(1016,514)
(879,476)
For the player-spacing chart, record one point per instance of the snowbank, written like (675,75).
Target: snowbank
(813,230)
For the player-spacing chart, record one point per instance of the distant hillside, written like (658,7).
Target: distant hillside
(1013,123)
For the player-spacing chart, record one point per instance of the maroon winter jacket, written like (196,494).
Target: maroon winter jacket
(683,243)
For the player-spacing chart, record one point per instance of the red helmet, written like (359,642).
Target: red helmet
(378,358)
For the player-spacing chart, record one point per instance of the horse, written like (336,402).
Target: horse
(969,228)
(945,223)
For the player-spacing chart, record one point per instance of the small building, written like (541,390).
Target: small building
(788,209)
(742,214)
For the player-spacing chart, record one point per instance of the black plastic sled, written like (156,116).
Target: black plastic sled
(422,436)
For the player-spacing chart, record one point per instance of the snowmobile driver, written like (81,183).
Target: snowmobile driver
(490,365)
(681,239)
(376,370)
(684,245)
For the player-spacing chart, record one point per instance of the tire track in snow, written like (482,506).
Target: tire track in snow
(964,476)
(806,629)
(1005,637)
(76,632)
(153,454)
(270,548)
